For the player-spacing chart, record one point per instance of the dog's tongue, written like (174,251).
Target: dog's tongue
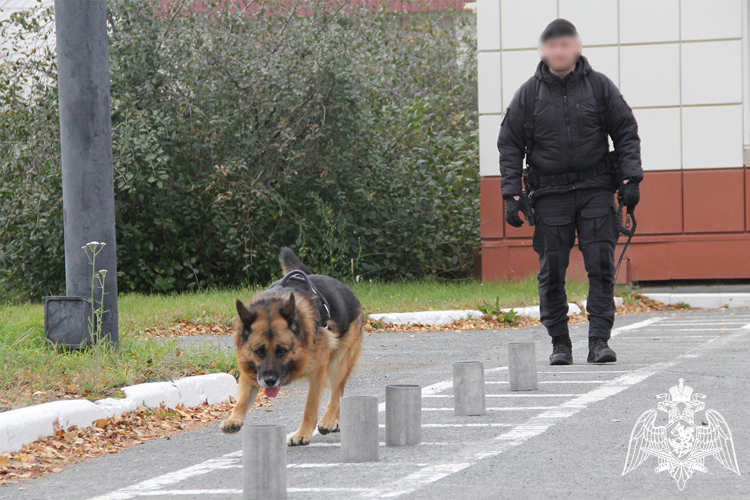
(271,392)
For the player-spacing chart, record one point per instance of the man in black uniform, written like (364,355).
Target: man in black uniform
(560,121)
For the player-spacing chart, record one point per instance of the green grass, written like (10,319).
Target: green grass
(141,311)
(31,371)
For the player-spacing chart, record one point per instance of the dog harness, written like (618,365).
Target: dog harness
(323,313)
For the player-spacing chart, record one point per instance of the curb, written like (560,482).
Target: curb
(703,300)
(24,425)
(448,317)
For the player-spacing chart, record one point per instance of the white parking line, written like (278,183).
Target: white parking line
(514,395)
(636,326)
(382,443)
(149,486)
(468,455)
(161,493)
(558,372)
(440,426)
(550,381)
(501,408)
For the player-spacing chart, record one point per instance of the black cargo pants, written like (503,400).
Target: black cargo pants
(592,214)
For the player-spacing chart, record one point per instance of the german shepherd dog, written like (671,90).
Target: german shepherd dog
(286,333)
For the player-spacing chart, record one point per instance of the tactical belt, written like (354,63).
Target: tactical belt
(571,177)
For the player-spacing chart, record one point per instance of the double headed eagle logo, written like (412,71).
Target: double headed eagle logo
(681,446)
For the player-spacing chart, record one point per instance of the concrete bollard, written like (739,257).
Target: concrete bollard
(264,462)
(359,429)
(468,388)
(403,415)
(522,366)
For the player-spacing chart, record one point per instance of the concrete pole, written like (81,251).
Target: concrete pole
(86,143)
(403,415)
(264,462)
(468,388)
(522,366)
(359,429)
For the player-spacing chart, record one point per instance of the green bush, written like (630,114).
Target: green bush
(349,135)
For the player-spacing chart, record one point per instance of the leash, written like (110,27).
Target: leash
(628,229)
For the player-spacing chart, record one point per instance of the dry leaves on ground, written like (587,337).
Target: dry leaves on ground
(188,328)
(110,435)
(640,305)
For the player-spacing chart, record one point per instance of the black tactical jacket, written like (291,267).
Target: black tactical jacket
(568,131)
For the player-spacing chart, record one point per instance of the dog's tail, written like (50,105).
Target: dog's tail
(290,262)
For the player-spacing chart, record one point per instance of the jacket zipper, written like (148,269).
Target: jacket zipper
(567,121)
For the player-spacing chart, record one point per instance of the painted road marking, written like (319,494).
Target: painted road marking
(550,381)
(514,395)
(150,485)
(469,455)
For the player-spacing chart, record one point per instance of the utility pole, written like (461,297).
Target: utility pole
(86,141)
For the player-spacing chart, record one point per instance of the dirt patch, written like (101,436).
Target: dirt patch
(111,435)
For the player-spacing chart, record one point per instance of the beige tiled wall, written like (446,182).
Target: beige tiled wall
(681,65)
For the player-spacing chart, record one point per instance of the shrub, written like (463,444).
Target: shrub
(347,134)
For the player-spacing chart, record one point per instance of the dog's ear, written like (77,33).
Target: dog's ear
(246,315)
(288,307)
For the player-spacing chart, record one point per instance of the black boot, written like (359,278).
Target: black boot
(600,352)
(562,350)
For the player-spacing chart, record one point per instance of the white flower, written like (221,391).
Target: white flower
(103,272)
(91,244)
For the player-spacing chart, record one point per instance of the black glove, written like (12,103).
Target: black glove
(630,194)
(512,207)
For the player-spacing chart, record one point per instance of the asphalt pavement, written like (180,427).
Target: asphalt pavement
(568,439)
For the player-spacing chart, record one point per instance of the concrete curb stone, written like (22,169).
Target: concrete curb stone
(24,425)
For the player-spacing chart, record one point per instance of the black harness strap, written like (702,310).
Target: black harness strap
(322,317)
(528,125)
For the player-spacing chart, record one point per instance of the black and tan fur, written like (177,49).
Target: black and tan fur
(274,341)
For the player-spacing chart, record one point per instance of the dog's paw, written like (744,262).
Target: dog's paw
(325,427)
(298,439)
(229,426)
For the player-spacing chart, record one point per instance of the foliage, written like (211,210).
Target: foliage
(348,134)
(33,372)
(495,310)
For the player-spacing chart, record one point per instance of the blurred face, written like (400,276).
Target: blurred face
(561,53)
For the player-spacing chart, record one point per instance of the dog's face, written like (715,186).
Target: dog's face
(267,341)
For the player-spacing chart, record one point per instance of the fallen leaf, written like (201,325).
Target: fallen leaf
(615,420)
(4,462)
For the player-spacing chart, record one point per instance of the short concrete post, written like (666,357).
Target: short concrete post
(264,462)
(359,429)
(403,415)
(522,366)
(468,388)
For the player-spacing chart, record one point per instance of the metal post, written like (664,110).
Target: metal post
(522,366)
(264,462)
(468,388)
(403,415)
(359,429)
(86,144)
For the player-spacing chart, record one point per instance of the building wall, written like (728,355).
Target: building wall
(682,66)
